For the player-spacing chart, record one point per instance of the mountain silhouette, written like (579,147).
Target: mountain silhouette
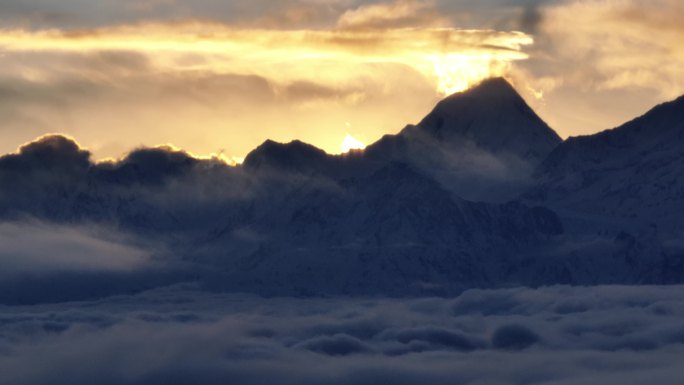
(482,144)
(495,118)
(481,193)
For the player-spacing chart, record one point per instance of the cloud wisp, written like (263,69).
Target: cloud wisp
(470,55)
(38,249)
(595,63)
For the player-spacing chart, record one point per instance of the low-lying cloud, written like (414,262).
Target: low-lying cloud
(36,248)
(558,335)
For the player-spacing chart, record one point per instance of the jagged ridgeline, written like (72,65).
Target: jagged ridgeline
(481,193)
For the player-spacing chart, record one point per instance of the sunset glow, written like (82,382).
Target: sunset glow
(319,72)
(450,58)
(350,143)
(294,69)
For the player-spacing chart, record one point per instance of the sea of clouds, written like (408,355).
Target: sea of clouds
(183,335)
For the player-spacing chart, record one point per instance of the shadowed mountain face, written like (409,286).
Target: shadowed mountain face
(482,144)
(631,173)
(423,211)
(282,231)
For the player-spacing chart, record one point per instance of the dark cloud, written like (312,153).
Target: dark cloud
(531,19)
(435,337)
(514,337)
(337,345)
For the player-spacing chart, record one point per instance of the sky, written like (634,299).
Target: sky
(220,77)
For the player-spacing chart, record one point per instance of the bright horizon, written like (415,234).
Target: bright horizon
(221,77)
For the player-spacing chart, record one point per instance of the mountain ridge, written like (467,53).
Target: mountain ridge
(395,219)
(631,173)
(462,114)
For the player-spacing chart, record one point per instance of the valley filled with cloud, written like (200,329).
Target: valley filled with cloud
(180,335)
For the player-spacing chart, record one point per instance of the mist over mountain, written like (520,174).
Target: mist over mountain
(481,193)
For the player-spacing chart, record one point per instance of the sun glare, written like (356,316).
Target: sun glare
(350,143)
(458,72)
(454,59)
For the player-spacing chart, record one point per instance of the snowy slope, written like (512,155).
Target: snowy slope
(631,173)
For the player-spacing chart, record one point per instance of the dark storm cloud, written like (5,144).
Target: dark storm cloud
(624,335)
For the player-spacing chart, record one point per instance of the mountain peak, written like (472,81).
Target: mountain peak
(295,155)
(491,88)
(492,91)
(493,117)
(490,95)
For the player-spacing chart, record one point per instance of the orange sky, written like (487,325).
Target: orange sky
(118,75)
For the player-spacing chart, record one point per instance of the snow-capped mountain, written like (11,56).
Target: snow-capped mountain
(494,117)
(408,215)
(634,172)
(482,144)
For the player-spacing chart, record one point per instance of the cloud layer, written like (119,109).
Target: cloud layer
(39,249)
(561,335)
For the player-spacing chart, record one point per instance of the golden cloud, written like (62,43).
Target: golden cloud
(629,43)
(392,15)
(215,88)
(452,58)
